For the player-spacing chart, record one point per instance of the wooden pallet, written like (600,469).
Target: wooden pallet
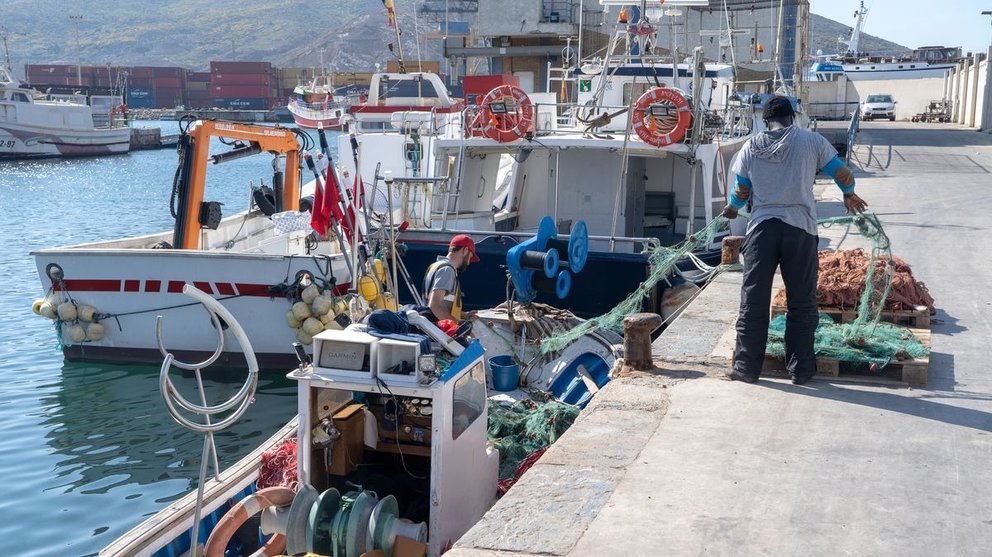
(913,371)
(918,318)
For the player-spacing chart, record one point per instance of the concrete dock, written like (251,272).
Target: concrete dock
(681,461)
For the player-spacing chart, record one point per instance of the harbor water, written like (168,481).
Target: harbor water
(87,451)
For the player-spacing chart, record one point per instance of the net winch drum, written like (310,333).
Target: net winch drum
(546,263)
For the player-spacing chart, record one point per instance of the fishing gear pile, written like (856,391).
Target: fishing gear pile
(526,427)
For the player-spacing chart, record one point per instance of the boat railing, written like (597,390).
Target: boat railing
(647,242)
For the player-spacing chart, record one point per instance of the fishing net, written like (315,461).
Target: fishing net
(525,427)
(662,260)
(865,340)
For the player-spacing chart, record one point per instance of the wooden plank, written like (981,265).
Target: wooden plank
(913,371)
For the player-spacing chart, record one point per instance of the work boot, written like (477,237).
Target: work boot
(736,375)
(802,379)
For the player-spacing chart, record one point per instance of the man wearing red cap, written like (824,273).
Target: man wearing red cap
(441,288)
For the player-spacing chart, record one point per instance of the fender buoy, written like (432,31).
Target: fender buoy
(662,130)
(505,114)
(239,514)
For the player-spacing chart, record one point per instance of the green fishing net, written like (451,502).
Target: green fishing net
(662,260)
(525,427)
(866,340)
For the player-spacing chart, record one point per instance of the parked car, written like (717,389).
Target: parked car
(879,106)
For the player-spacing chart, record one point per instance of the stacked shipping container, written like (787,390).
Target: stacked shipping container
(244,85)
(240,85)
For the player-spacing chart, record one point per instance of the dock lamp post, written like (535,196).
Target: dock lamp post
(988,13)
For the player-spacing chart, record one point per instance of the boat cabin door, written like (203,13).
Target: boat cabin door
(464,471)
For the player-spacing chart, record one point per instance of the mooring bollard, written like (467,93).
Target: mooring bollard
(731,250)
(637,329)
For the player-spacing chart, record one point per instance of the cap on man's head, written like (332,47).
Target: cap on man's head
(778,107)
(464,241)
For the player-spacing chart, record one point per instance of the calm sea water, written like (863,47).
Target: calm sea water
(88,451)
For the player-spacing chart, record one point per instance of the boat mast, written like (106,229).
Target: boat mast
(854,43)
(395,24)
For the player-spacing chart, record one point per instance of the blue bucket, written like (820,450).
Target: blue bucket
(506,373)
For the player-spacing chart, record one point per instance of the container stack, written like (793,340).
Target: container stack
(170,86)
(244,85)
(290,78)
(198,90)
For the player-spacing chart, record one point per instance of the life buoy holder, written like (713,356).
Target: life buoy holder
(505,114)
(663,129)
(240,513)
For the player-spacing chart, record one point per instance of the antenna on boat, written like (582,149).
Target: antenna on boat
(395,24)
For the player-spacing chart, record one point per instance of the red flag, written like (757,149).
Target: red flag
(320,217)
(332,201)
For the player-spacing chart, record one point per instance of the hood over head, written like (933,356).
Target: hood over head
(773,146)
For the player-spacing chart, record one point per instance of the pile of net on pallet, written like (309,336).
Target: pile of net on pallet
(841,282)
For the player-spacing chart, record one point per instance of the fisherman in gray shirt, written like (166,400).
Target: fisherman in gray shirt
(775,172)
(441,288)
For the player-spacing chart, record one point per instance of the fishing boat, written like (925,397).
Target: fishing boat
(858,65)
(315,105)
(641,154)
(32,125)
(389,450)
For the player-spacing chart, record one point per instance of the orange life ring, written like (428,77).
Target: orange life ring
(513,119)
(661,130)
(239,514)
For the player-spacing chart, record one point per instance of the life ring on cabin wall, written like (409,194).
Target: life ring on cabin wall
(662,116)
(240,513)
(505,114)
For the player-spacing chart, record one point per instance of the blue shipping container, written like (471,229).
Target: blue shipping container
(242,104)
(140,97)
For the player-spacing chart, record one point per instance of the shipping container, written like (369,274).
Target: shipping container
(174,82)
(234,91)
(142,72)
(170,97)
(198,76)
(138,97)
(240,67)
(242,103)
(169,71)
(198,86)
(241,79)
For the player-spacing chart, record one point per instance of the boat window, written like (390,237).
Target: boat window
(406,88)
(373,125)
(900,66)
(19,97)
(912,66)
(635,90)
(468,399)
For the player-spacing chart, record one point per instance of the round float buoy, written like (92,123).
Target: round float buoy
(661,116)
(239,514)
(505,114)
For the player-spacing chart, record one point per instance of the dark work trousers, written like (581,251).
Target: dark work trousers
(773,243)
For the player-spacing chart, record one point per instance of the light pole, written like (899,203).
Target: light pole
(75,19)
(989,13)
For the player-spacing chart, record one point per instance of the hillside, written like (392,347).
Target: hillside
(823,34)
(190,33)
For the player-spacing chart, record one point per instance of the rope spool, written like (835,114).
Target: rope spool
(560,285)
(547,261)
(662,116)
(505,114)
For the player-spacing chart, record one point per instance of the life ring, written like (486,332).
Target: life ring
(662,130)
(239,514)
(505,114)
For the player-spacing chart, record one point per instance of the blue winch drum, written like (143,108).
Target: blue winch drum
(506,373)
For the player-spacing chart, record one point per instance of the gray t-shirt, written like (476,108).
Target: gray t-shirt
(781,166)
(441,275)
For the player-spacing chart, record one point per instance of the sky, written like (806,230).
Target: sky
(915,23)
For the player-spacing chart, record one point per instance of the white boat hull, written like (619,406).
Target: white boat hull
(26,141)
(135,286)
(895,70)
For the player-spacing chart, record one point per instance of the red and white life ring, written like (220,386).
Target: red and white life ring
(512,120)
(662,130)
(239,514)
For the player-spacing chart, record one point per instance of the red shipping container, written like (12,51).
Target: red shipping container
(174,82)
(233,91)
(198,76)
(142,72)
(476,86)
(240,79)
(239,67)
(169,71)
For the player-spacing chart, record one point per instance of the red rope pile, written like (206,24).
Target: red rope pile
(279,467)
(842,281)
(525,465)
